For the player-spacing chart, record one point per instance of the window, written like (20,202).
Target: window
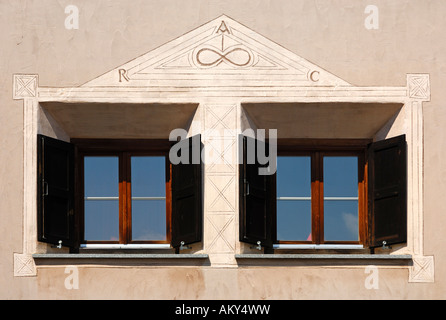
(116,191)
(318,197)
(326,192)
(127,197)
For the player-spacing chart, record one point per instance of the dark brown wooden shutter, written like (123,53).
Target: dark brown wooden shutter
(387,189)
(187,212)
(257,197)
(55,191)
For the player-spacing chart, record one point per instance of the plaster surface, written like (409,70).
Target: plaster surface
(331,35)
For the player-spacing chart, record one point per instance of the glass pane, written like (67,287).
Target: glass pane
(101,176)
(340,176)
(148,176)
(294,220)
(148,198)
(102,220)
(294,176)
(341,220)
(101,204)
(341,199)
(149,220)
(294,198)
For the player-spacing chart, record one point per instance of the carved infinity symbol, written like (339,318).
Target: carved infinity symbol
(208,57)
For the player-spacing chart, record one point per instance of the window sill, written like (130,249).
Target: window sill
(121,259)
(323,259)
(326,256)
(319,246)
(117,256)
(125,246)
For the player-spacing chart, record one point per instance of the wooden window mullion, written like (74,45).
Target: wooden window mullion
(124,194)
(316,193)
(320,164)
(121,200)
(128,198)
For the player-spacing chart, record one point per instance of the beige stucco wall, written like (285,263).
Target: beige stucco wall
(330,34)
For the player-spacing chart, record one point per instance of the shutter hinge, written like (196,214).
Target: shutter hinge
(259,246)
(59,246)
(183,247)
(385,247)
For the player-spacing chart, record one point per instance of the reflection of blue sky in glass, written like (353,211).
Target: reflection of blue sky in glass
(341,220)
(293,183)
(293,220)
(293,176)
(148,216)
(340,214)
(101,179)
(102,220)
(101,176)
(340,176)
(148,177)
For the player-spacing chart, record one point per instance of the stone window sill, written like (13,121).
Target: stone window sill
(121,259)
(323,259)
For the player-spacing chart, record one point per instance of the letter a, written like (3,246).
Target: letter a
(372,20)
(72,21)
(371,281)
(72,281)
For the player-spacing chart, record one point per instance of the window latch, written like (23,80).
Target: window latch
(247,187)
(183,247)
(385,247)
(259,246)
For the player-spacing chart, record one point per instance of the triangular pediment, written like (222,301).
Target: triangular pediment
(221,52)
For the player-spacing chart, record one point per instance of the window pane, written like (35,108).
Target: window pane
(149,220)
(341,198)
(148,177)
(340,176)
(102,220)
(294,176)
(148,198)
(293,198)
(294,220)
(341,220)
(101,188)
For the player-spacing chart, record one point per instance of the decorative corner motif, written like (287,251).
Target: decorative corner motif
(25,86)
(419,86)
(24,265)
(422,269)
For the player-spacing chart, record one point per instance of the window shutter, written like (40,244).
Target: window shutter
(387,191)
(257,197)
(187,199)
(55,189)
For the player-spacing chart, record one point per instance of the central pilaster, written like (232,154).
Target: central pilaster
(220,182)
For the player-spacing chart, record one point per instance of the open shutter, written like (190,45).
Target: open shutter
(55,191)
(257,197)
(187,199)
(387,191)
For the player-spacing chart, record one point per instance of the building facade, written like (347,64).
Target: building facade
(93,122)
